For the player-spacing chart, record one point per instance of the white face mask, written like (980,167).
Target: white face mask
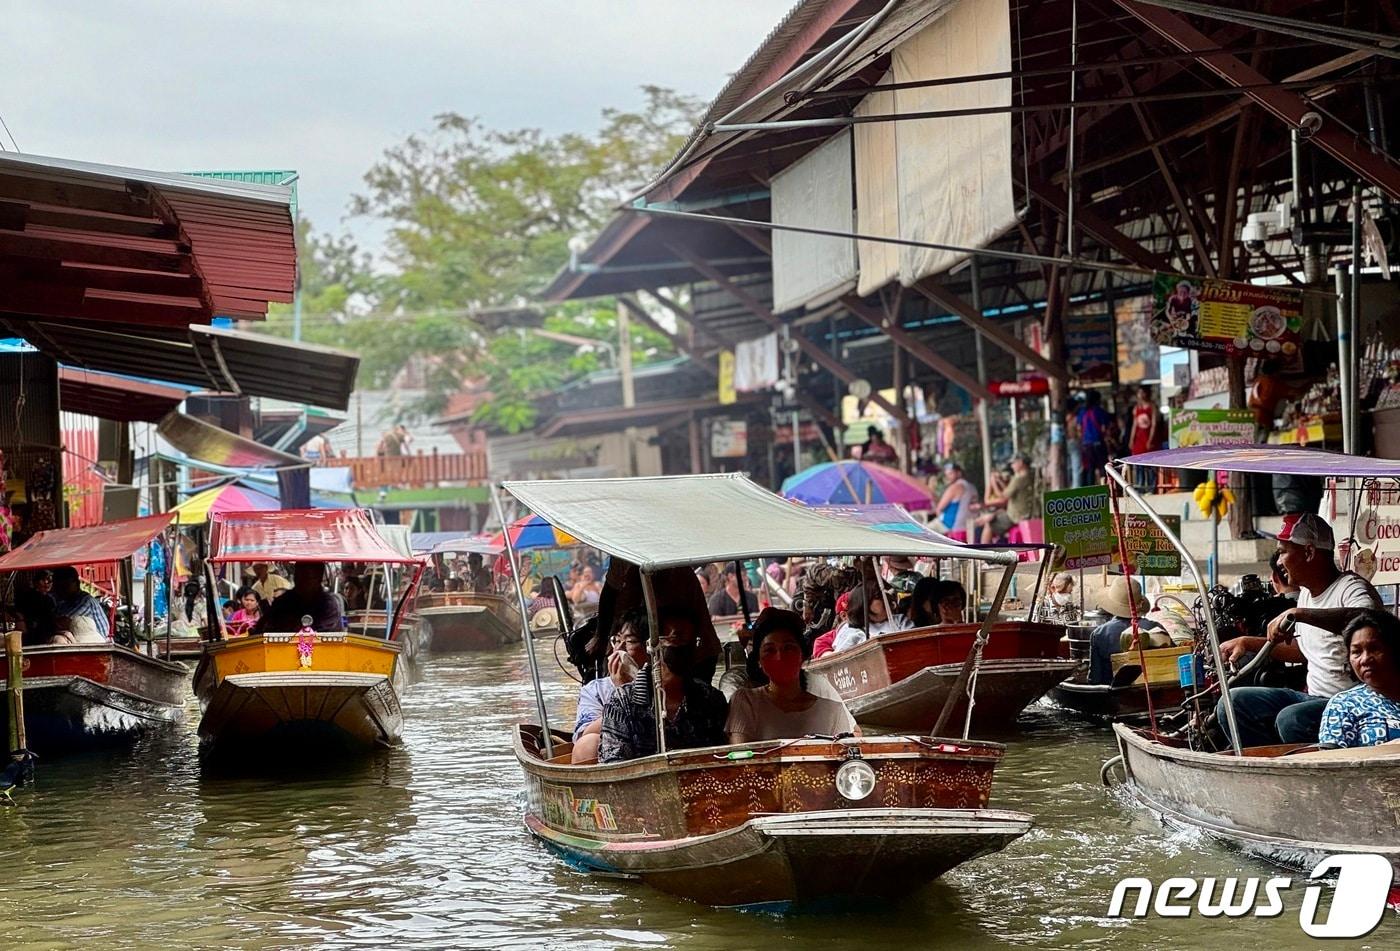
(1062,597)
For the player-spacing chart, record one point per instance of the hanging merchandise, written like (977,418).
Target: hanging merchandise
(43,513)
(756,364)
(6,530)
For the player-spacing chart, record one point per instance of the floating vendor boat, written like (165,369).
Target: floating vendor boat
(455,621)
(283,687)
(902,680)
(776,824)
(1289,804)
(83,693)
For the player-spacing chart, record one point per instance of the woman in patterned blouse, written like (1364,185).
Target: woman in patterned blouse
(1367,715)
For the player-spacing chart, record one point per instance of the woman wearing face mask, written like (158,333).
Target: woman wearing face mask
(780,706)
(695,711)
(1368,715)
(1059,605)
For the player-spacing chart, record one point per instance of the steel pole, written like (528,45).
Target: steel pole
(1189,562)
(524,625)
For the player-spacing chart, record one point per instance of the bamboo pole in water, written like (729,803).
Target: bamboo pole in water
(14,653)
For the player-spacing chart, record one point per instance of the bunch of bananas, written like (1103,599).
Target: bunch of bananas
(1214,498)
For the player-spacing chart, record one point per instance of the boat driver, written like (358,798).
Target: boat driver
(75,605)
(307,596)
(1328,599)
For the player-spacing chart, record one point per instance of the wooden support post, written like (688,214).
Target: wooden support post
(14,654)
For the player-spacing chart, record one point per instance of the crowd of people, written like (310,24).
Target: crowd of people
(53,607)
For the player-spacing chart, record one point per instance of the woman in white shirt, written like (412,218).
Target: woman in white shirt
(781,706)
(866,619)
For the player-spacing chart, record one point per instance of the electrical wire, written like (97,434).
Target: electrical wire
(6,126)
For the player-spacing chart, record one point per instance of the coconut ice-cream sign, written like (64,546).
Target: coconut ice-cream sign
(1377,533)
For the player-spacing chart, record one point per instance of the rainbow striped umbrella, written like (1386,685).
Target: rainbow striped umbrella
(225,498)
(851,482)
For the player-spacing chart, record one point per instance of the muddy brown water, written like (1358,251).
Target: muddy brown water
(423,847)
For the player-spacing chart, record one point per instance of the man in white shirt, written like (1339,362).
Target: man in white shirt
(1327,600)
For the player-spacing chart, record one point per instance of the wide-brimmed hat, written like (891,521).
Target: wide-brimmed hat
(1120,597)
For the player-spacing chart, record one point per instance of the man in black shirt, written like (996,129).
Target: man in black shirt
(308,596)
(725,602)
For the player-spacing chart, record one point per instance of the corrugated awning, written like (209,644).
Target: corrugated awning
(205,357)
(208,443)
(84,241)
(95,545)
(120,398)
(1269,460)
(668,521)
(300,535)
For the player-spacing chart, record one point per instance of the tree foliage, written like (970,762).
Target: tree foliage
(481,218)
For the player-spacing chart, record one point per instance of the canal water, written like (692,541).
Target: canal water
(423,847)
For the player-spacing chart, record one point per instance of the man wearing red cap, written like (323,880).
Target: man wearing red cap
(1327,599)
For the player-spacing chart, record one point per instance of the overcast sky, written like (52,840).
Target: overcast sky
(324,86)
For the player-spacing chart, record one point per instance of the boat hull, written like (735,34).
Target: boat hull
(764,825)
(901,680)
(468,622)
(78,695)
(1291,810)
(256,694)
(1104,702)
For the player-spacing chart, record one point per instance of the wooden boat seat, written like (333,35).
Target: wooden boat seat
(1384,751)
(562,752)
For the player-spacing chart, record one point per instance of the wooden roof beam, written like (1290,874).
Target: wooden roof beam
(989,331)
(1283,104)
(915,348)
(635,308)
(756,307)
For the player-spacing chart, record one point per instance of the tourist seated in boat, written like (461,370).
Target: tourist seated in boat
(779,705)
(246,617)
(455,585)
(1328,599)
(72,602)
(308,597)
(826,643)
(936,601)
(478,579)
(35,606)
(267,583)
(1123,598)
(1368,714)
(586,590)
(353,591)
(628,654)
(1059,605)
(695,711)
(725,601)
(866,617)
(190,615)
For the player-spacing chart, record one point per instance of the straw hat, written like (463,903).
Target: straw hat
(544,619)
(1120,596)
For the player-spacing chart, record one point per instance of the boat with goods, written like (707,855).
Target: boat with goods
(90,689)
(304,684)
(1291,803)
(777,824)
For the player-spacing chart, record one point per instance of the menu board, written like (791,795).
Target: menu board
(1089,343)
(1227,317)
(1081,523)
(1149,549)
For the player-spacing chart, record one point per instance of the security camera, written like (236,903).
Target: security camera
(1261,224)
(1309,124)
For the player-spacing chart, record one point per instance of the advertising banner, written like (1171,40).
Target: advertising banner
(1378,535)
(1089,343)
(1210,427)
(1139,357)
(1081,522)
(1149,549)
(1227,317)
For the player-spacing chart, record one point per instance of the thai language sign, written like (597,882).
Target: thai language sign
(1227,317)
(1211,427)
(1089,343)
(1378,536)
(1149,549)
(1081,523)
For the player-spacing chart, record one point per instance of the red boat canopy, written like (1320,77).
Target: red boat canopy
(96,545)
(300,535)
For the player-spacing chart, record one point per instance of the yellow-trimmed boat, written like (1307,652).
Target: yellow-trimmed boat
(281,689)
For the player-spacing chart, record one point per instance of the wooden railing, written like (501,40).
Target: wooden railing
(423,469)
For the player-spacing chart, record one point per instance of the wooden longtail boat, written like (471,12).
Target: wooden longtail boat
(1288,804)
(764,825)
(901,680)
(464,621)
(287,691)
(778,824)
(80,694)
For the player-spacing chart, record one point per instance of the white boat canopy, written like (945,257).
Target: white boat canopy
(668,521)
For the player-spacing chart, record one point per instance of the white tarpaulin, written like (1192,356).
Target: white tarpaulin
(951,178)
(665,521)
(877,191)
(756,364)
(814,192)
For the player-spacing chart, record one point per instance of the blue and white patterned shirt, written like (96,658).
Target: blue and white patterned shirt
(1360,717)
